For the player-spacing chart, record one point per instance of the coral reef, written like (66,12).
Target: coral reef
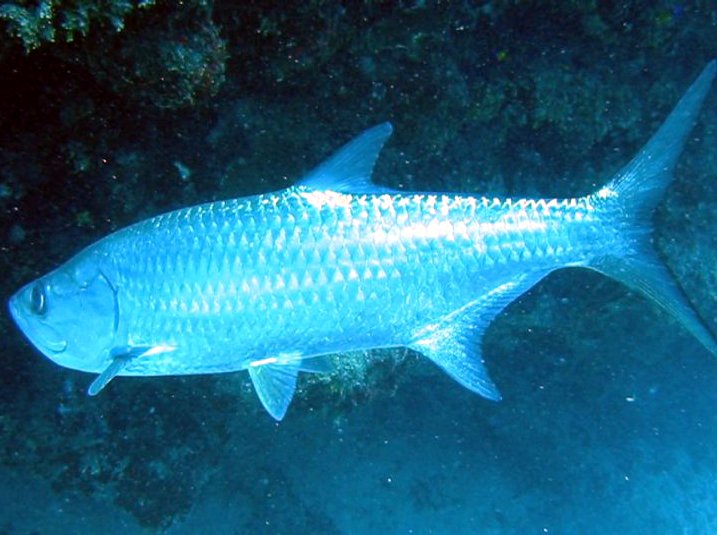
(34,23)
(159,54)
(174,58)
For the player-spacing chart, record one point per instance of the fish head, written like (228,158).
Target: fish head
(70,315)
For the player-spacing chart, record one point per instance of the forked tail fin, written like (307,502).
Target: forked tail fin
(631,197)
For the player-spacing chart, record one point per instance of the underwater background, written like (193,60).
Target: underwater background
(113,111)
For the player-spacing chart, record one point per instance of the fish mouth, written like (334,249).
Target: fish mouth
(15,312)
(43,336)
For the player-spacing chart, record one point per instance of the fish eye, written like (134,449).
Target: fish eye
(38,303)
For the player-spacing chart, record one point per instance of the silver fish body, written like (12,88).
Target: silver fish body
(335,264)
(313,272)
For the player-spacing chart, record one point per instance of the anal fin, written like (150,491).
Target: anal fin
(454,342)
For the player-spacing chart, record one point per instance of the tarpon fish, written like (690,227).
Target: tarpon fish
(335,264)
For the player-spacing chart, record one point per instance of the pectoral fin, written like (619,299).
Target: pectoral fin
(121,356)
(116,366)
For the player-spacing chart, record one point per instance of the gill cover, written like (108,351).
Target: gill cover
(70,315)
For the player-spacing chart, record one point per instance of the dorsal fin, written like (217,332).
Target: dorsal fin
(349,169)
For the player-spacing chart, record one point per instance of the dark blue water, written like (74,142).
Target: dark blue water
(608,422)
